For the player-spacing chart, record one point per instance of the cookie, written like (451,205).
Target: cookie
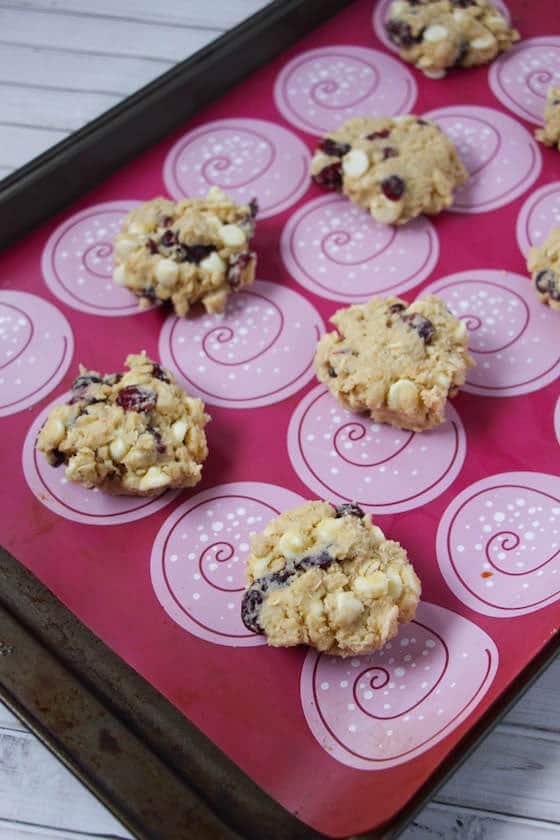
(136,433)
(398,362)
(435,35)
(327,577)
(544,265)
(197,249)
(550,133)
(397,168)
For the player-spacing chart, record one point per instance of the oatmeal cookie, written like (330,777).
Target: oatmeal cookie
(136,433)
(398,362)
(438,34)
(325,576)
(397,168)
(197,249)
(550,133)
(544,265)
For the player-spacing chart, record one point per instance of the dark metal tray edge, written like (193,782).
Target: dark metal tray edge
(150,766)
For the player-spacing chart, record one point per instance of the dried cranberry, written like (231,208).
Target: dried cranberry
(420,121)
(545,280)
(423,326)
(195,253)
(400,33)
(239,266)
(136,398)
(461,53)
(332,372)
(167,221)
(349,509)
(463,4)
(84,380)
(149,293)
(250,610)
(314,561)
(332,148)
(169,238)
(156,434)
(159,373)
(330,176)
(152,246)
(393,187)
(254,207)
(379,135)
(397,307)
(389,152)
(56,458)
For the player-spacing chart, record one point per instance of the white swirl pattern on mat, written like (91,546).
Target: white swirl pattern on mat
(498,544)
(322,88)
(338,251)
(246,158)
(539,214)
(521,76)
(198,558)
(347,457)
(379,711)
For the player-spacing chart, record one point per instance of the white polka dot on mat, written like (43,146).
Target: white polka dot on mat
(258,353)
(501,156)
(510,565)
(381,15)
(384,709)
(539,214)
(71,500)
(77,261)
(200,582)
(347,457)
(513,338)
(36,348)
(336,250)
(320,89)
(520,77)
(246,158)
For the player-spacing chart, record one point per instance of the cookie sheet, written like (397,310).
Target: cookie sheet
(343,744)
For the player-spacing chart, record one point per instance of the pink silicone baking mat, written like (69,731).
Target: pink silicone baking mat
(343,744)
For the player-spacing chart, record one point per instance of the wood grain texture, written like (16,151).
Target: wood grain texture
(63,62)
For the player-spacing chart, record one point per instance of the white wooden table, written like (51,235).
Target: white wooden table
(510,787)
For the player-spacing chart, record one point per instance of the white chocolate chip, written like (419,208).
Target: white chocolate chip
(118,449)
(394,584)
(497,22)
(346,608)
(213,264)
(232,236)
(124,247)
(377,534)
(179,430)
(403,396)
(153,479)
(137,228)
(461,331)
(388,624)
(119,276)
(216,196)
(398,8)
(385,211)
(443,381)
(55,430)
(435,74)
(370,587)
(290,545)
(355,163)
(483,43)
(167,272)
(327,530)
(435,33)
